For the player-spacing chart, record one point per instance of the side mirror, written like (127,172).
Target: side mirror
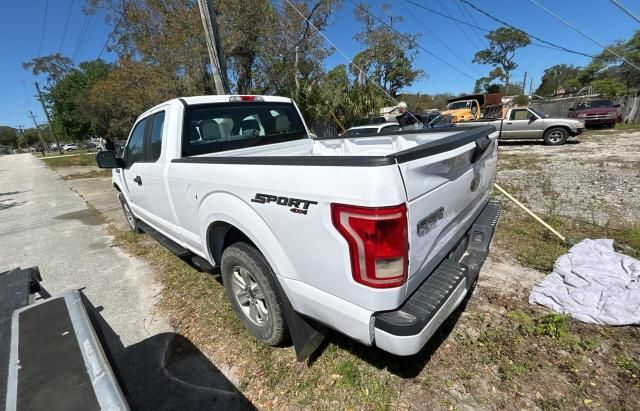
(572,109)
(108,159)
(532,117)
(616,105)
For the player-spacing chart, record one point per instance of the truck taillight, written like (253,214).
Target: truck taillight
(378,243)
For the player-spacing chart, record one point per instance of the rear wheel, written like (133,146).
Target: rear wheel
(250,286)
(128,214)
(555,136)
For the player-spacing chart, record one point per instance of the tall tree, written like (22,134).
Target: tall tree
(388,56)
(54,67)
(503,43)
(555,77)
(67,99)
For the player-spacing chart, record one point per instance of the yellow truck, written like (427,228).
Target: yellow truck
(473,107)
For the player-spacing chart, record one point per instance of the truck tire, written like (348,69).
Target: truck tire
(250,285)
(555,136)
(132,221)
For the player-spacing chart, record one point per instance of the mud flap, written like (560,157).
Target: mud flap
(306,334)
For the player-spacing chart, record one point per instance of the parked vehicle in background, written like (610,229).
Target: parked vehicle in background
(599,112)
(528,123)
(70,147)
(377,237)
(371,129)
(53,147)
(428,116)
(371,120)
(474,107)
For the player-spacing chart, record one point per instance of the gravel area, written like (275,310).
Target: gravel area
(594,179)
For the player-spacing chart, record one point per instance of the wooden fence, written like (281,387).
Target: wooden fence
(629,110)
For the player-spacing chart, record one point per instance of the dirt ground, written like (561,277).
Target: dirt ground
(496,352)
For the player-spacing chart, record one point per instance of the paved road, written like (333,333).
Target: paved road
(45,222)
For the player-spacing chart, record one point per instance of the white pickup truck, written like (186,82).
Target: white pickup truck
(379,237)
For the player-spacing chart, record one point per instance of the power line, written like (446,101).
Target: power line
(530,35)
(583,34)
(83,29)
(435,36)
(466,12)
(624,9)
(66,27)
(484,29)
(44,27)
(346,57)
(417,45)
(115,27)
(87,37)
(459,27)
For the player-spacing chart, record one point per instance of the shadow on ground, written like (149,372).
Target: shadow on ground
(404,367)
(166,372)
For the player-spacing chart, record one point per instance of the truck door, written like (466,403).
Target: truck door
(134,157)
(521,125)
(161,208)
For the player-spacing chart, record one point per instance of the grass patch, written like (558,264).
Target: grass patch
(534,246)
(88,174)
(88,159)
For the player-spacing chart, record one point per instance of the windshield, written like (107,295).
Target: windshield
(358,131)
(538,112)
(594,104)
(458,105)
(210,128)
(442,120)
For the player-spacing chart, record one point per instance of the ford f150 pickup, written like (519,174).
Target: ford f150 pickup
(379,237)
(528,123)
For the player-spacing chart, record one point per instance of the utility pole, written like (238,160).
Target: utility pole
(18,138)
(218,66)
(44,146)
(46,113)
(531,86)
(524,82)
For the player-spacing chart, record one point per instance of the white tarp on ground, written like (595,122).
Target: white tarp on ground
(594,284)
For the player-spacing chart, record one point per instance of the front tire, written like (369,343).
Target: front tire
(132,222)
(555,136)
(250,286)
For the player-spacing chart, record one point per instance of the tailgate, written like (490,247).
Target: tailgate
(447,183)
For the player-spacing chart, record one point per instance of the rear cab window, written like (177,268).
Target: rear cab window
(216,127)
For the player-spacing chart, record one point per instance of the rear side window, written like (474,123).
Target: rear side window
(156,136)
(211,128)
(135,147)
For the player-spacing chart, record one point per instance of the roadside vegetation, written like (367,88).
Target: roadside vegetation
(86,159)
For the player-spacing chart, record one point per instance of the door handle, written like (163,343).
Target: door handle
(509,122)
(138,180)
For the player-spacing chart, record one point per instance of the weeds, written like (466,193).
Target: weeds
(79,160)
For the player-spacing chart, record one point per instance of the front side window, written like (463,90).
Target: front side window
(212,128)
(156,135)
(520,115)
(134,151)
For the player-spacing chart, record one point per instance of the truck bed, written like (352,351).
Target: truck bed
(378,149)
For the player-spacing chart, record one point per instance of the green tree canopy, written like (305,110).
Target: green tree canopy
(503,43)
(68,98)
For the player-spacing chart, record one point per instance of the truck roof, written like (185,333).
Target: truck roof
(218,99)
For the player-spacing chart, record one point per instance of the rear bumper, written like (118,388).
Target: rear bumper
(406,330)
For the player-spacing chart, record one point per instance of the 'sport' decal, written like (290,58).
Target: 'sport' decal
(296,205)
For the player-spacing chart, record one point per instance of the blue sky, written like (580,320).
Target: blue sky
(21,28)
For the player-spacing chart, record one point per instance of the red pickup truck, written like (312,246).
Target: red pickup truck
(595,112)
